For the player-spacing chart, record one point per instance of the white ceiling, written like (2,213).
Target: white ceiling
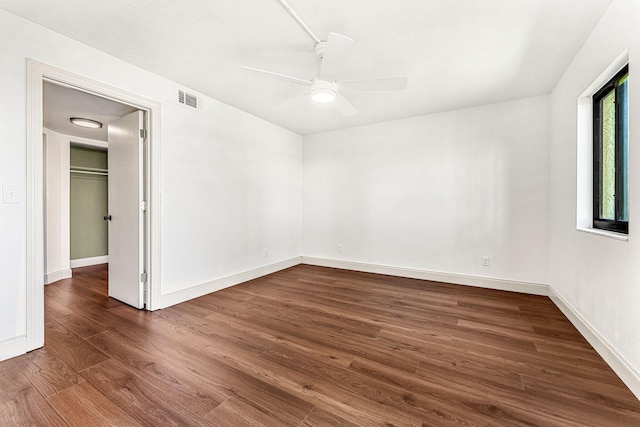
(456,53)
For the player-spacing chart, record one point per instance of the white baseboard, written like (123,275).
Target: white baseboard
(86,262)
(224,282)
(57,275)
(620,366)
(435,276)
(13,347)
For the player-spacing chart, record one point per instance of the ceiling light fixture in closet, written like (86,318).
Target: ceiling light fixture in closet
(85,123)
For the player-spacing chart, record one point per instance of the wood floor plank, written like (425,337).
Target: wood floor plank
(367,306)
(75,293)
(28,408)
(324,315)
(569,351)
(78,324)
(444,401)
(606,405)
(228,328)
(21,404)
(446,355)
(283,406)
(71,348)
(83,405)
(9,364)
(196,396)
(153,325)
(48,373)
(538,363)
(326,386)
(138,398)
(329,337)
(312,346)
(521,401)
(320,418)
(237,412)
(396,357)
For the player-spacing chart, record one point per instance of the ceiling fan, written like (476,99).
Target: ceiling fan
(323,88)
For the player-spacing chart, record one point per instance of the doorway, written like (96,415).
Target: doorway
(147,115)
(92,139)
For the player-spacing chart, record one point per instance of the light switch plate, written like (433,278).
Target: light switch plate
(11,194)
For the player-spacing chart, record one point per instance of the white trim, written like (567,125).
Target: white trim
(436,276)
(605,233)
(57,275)
(34,337)
(13,347)
(38,72)
(616,65)
(86,262)
(620,366)
(79,141)
(225,282)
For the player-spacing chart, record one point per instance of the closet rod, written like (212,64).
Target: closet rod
(89,172)
(83,168)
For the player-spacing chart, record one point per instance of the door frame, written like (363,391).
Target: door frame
(37,73)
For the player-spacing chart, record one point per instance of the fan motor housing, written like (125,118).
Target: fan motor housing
(319,48)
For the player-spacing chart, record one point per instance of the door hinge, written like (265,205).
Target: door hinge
(143,133)
(143,206)
(143,277)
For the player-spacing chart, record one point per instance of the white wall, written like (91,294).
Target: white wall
(56,206)
(230,182)
(598,277)
(227,196)
(435,192)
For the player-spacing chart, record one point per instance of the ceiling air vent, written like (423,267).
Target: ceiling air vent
(187,99)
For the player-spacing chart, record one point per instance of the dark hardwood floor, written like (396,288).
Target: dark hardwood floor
(311,346)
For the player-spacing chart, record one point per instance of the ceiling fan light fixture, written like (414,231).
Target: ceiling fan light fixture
(323,95)
(323,92)
(85,123)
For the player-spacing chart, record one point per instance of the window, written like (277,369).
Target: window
(610,154)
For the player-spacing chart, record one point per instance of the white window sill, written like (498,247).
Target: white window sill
(605,233)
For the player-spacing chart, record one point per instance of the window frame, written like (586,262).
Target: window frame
(614,225)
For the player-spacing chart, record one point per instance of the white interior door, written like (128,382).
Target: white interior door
(126,195)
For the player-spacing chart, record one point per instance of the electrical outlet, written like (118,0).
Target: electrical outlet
(340,248)
(265,252)
(486,261)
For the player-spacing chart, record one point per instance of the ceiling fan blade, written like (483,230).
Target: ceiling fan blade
(343,106)
(277,76)
(335,50)
(391,83)
(290,102)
